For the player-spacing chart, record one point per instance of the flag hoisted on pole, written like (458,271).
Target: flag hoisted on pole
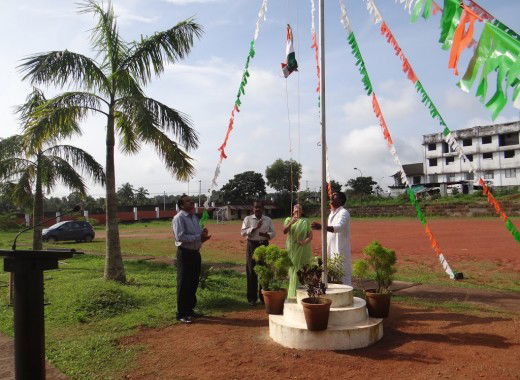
(290,63)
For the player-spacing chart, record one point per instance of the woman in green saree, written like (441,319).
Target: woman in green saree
(298,245)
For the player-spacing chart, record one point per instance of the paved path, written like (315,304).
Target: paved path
(7,362)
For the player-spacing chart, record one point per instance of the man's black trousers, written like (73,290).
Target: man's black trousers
(254,291)
(188,272)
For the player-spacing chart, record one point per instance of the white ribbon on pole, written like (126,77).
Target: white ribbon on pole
(344,17)
(261,18)
(407,4)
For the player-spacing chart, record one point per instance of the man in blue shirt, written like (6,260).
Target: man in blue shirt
(189,237)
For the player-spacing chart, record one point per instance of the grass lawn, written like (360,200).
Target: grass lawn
(86,315)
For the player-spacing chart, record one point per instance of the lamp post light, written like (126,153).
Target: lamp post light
(360,172)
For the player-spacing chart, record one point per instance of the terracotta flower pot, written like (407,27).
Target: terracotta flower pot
(316,314)
(378,304)
(274,300)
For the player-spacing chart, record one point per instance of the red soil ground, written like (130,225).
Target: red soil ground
(461,239)
(417,343)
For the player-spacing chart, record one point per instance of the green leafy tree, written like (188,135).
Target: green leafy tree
(244,188)
(141,196)
(112,86)
(126,195)
(284,175)
(362,185)
(336,186)
(28,174)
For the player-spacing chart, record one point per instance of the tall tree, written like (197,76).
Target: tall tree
(362,185)
(244,188)
(112,86)
(141,196)
(126,195)
(284,175)
(29,173)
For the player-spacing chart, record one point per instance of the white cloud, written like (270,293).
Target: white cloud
(399,101)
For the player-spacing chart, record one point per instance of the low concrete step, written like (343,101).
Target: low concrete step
(339,316)
(294,334)
(341,295)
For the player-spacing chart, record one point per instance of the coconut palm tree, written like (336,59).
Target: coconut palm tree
(112,86)
(27,170)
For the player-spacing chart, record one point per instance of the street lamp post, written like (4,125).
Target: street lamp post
(360,172)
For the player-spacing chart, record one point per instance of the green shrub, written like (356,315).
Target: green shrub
(310,277)
(335,269)
(381,261)
(206,270)
(104,302)
(272,266)
(8,222)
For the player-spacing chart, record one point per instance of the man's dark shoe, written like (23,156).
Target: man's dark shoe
(186,320)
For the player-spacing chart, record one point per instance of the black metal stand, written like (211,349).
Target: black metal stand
(29,324)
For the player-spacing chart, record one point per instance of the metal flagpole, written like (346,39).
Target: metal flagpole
(323,141)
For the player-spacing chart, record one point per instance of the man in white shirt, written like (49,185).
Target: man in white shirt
(338,234)
(258,229)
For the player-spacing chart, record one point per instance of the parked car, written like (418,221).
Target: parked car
(69,230)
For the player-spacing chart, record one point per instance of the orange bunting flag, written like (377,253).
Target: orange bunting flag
(462,39)
(407,68)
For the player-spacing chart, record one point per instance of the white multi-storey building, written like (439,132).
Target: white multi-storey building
(493,149)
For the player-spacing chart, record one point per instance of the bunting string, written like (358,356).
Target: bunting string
(426,100)
(238,101)
(356,52)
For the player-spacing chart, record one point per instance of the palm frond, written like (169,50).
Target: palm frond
(32,101)
(20,192)
(65,173)
(125,84)
(11,146)
(78,158)
(13,167)
(127,135)
(147,110)
(58,118)
(58,68)
(148,56)
(176,160)
(105,37)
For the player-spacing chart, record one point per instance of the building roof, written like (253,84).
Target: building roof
(484,130)
(412,169)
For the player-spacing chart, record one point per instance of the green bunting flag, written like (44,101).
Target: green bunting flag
(422,5)
(497,51)
(449,22)
(360,63)
(426,100)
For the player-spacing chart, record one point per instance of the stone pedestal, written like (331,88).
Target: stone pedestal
(349,326)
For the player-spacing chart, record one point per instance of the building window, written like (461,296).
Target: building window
(509,154)
(434,178)
(450,160)
(489,175)
(417,180)
(487,156)
(451,177)
(432,146)
(486,139)
(469,157)
(470,176)
(433,161)
(467,142)
(510,173)
(508,139)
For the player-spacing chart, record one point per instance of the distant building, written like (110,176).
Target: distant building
(494,150)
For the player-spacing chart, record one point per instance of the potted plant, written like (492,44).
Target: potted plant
(272,266)
(335,269)
(381,262)
(315,308)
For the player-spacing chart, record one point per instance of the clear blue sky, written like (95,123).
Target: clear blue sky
(204,85)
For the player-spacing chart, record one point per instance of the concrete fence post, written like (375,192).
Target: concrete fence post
(135,213)
(27,220)
(58,217)
(157,213)
(85,214)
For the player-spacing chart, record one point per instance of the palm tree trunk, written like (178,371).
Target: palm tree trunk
(114,269)
(38,207)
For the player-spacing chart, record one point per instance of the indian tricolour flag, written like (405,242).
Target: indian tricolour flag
(290,63)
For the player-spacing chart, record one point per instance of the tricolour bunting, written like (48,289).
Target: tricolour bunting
(290,65)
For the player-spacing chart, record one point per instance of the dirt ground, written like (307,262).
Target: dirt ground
(461,239)
(417,343)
